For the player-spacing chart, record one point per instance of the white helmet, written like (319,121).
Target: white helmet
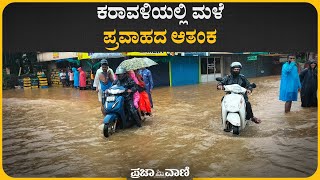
(236,65)
(121,70)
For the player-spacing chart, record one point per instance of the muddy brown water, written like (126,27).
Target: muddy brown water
(54,133)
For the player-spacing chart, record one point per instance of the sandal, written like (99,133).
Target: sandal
(256,120)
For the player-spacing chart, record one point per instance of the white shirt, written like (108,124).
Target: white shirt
(96,82)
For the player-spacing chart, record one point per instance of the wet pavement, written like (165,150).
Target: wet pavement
(55,133)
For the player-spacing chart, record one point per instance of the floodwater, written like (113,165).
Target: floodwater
(55,133)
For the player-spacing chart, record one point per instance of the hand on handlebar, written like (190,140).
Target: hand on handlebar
(249,91)
(220,87)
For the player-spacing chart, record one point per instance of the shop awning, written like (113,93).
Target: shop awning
(52,56)
(105,55)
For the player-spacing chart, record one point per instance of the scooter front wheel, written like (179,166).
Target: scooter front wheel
(108,129)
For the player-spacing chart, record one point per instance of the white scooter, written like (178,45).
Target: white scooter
(233,108)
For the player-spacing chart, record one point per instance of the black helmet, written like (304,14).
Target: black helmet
(104,61)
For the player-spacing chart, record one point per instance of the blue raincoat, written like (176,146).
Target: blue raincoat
(289,83)
(147,79)
(76,77)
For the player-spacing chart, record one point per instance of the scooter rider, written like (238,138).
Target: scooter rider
(237,78)
(131,87)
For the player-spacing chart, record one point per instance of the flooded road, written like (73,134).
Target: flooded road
(54,133)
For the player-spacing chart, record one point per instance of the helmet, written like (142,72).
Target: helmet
(121,70)
(236,65)
(104,61)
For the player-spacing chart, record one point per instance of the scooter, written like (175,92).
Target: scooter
(233,108)
(117,115)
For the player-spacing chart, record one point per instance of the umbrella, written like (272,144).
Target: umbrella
(137,63)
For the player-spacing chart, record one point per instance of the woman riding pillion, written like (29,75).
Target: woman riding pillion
(236,78)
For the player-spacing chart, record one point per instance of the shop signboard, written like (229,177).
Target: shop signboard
(252,58)
(147,54)
(83,55)
(105,55)
(55,55)
(260,53)
(51,56)
(195,54)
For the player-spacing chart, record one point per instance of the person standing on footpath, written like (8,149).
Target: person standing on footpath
(70,73)
(82,79)
(289,83)
(75,78)
(309,85)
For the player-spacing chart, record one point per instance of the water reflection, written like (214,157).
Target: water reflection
(54,133)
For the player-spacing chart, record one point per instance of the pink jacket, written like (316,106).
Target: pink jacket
(82,78)
(136,95)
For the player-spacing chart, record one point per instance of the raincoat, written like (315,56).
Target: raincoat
(289,83)
(308,79)
(82,78)
(136,95)
(144,102)
(147,79)
(75,77)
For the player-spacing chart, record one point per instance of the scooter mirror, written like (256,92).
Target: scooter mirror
(253,85)
(219,79)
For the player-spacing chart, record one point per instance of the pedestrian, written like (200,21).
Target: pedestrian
(75,78)
(289,83)
(67,78)
(91,79)
(96,83)
(82,79)
(148,81)
(309,85)
(71,80)
(63,77)
(105,79)
(96,80)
